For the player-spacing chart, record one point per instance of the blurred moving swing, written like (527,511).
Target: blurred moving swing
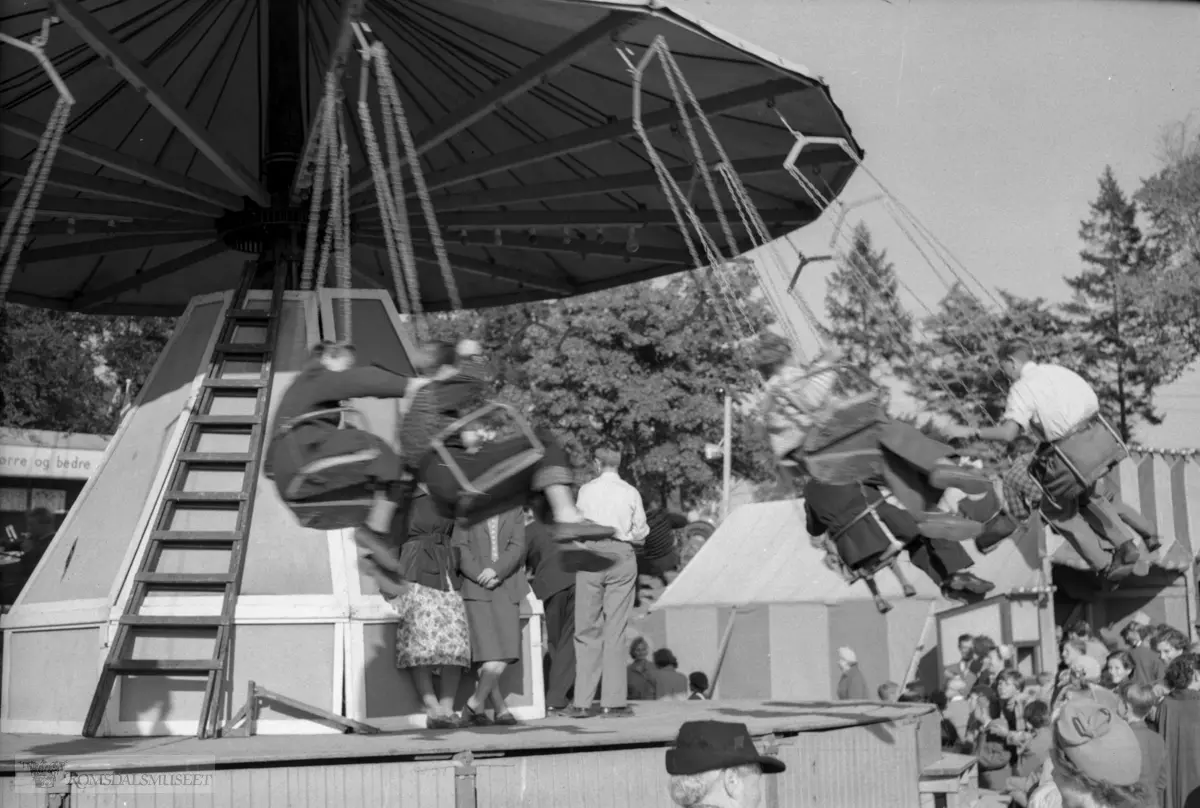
(332,493)
(843,444)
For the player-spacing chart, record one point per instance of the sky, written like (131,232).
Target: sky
(991,120)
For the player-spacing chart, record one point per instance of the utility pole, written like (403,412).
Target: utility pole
(727,457)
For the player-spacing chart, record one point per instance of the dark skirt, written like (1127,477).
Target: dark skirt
(495,627)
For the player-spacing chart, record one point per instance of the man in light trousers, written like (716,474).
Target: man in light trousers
(603,600)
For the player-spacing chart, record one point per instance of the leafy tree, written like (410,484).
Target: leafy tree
(128,347)
(866,318)
(1171,202)
(48,377)
(1125,357)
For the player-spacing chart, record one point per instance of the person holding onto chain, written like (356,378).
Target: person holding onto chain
(1076,448)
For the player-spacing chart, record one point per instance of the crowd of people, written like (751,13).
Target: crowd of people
(1118,726)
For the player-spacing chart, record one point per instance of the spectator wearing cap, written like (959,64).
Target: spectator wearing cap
(669,683)
(852,686)
(715,764)
(1097,761)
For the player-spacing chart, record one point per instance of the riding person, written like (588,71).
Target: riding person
(448,397)
(797,402)
(845,513)
(1060,409)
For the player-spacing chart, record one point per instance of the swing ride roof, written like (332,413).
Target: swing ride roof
(521,110)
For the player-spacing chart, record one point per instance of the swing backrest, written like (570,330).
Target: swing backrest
(344,415)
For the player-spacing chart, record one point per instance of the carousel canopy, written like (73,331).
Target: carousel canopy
(180,154)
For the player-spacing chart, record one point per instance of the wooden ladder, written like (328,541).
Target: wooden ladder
(232,348)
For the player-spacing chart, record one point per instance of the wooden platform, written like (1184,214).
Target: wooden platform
(624,754)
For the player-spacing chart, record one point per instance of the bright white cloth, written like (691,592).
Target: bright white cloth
(1052,398)
(610,501)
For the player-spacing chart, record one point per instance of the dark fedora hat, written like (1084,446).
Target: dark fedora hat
(704,746)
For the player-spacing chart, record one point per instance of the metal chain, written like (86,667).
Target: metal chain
(318,181)
(343,236)
(414,166)
(335,205)
(28,198)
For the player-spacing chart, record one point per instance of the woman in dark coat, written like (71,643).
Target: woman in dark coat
(432,634)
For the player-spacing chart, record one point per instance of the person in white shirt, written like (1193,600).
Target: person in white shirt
(1059,408)
(604,600)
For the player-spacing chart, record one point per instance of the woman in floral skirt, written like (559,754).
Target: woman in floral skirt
(431,635)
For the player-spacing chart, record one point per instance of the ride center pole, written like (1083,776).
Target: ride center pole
(727,458)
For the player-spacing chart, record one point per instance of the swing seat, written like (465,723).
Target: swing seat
(331,493)
(471,490)
(1072,465)
(843,447)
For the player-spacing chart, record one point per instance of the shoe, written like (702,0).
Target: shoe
(948,526)
(471,718)
(580,531)
(577,712)
(505,719)
(451,721)
(969,582)
(558,712)
(995,530)
(616,712)
(1153,544)
(1127,553)
(1117,572)
(377,548)
(578,558)
(968,481)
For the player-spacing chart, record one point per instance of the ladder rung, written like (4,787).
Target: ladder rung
(226,420)
(164,666)
(249,314)
(175,621)
(205,496)
(247,348)
(195,536)
(185,579)
(216,457)
(235,384)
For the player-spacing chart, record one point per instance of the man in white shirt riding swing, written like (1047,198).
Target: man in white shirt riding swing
(1060,409)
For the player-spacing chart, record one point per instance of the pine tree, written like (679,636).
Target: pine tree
(1125,357)
(866,318)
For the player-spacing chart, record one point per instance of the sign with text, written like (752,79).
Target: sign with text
(49,462)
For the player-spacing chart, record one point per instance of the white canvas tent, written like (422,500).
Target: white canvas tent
(308,623)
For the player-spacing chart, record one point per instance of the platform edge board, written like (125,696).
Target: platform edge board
(414,745)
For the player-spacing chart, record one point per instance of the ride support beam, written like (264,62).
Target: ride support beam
(534,219)
(504,91)
(658,255)
(284,99)
(155,273)
(134,72)
(590,138)
(115,189)
(103,209)
(486,269)
(95,227)
(30,129)
(113,244)
(595,186)
(351,12)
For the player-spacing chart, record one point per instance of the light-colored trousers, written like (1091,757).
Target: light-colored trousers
(603,602)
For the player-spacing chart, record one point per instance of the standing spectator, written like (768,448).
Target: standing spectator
(1179,725)
(1118,670)
(962,668)
(668,681)
(640,674)
(852,686)
(431,634)
(1139,700)
(986,739)
(1072,651)
(1092,647)
(1096,758)
(1010,685)
(1147,667)
(698,685)
(1170,644)
(604,599)
(714,763)
(492,560)
(554,586)
(958,708)
(888,692)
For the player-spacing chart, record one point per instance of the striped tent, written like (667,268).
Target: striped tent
(1165,487)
